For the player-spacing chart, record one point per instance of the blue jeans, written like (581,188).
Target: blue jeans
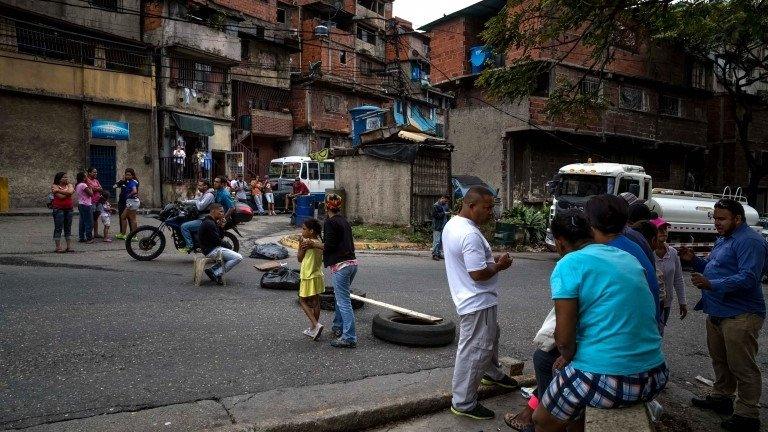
(187,230)
(62,220)
(259,205)
(437,243)
(344,317)
(229,257)
(85,227)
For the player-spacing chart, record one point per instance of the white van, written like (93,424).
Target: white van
(318,176)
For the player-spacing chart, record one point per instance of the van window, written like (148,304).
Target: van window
(314,171)
(275,170)
(291,170)
(303,171)
(327,171)
(647,191)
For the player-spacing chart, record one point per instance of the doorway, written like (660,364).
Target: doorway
(104,159)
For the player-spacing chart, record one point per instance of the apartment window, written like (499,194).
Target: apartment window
(106,4)
(699,76)
(366,35)
(177,9)
(343,57)
(373,5)
(590,87)
(415,71)
(632,98)
(281,16)
(670,106)
(199,76)
(202,76)
(244,51)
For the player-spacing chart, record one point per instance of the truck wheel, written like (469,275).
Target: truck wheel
(404,330)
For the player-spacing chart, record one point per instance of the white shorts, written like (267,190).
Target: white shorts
(105,219)
(132,204)
(270,198)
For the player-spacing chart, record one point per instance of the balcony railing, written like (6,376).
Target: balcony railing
(42,41)
(190,169)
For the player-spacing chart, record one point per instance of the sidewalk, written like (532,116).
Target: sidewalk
(43,211)
(345,406)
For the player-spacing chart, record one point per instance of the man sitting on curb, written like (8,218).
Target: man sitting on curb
(210,236)
(472,277)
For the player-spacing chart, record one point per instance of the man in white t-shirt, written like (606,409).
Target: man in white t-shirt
(240,188)
(472,276)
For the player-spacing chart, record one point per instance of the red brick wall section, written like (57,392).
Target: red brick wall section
(691,127)
(299,107)
(264,124)
(262,9)
(448,49)
(153,11)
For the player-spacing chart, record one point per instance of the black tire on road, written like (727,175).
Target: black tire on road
(328,300)
(149,245)
(404,330)
(230,242)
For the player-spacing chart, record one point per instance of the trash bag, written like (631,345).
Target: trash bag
(271,251)
(281,279)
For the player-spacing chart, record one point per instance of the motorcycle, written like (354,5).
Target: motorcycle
(147,242)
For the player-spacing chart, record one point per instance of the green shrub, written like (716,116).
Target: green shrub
(533,219)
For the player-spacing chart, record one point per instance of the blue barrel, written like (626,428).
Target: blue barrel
(304,209)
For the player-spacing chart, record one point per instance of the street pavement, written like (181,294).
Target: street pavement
(95,332)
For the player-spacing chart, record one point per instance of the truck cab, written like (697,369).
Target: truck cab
(575,184)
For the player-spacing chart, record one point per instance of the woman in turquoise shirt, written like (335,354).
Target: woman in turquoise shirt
(606,329)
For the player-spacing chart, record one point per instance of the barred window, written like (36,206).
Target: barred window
(670,106)
(632,98)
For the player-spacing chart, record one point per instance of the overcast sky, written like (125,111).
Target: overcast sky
(420,12)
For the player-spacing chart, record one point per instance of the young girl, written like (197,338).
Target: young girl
(105,215)
(269,196)
(668,263)
(312,283)
(85,208)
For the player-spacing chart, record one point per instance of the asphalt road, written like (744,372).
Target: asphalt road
(96,332)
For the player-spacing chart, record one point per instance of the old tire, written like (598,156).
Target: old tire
(328,300)
(404,330)
(230,242)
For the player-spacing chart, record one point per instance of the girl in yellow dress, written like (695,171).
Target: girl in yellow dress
(312,282)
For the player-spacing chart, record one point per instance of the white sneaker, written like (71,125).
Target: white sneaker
(317,331)
(309,332)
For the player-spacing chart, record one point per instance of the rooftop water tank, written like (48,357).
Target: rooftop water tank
(365,118)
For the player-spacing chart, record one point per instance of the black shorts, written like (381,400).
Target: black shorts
(120,207)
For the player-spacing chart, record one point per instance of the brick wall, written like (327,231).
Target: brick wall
(265,10)
(449,42)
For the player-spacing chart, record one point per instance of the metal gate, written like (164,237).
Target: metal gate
(104,159)
(430,178)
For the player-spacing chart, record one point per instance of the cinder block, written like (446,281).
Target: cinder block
(512,365)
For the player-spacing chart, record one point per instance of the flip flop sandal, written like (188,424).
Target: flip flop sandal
(512,421)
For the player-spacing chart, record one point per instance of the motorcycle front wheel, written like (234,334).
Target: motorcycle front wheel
(230,242)
(145,243)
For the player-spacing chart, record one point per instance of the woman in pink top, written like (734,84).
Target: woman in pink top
(84,205)
(92,181)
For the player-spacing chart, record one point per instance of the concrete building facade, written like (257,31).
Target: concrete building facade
(66,70)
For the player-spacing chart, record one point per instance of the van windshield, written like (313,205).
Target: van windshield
(275,170)
(585,185)
(291,170)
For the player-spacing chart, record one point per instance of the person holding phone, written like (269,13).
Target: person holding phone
(732,297)
(472,273)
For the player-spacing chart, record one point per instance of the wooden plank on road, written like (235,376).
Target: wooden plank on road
(398,309)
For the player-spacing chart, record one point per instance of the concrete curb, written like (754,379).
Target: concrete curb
(292,242)
(336,407)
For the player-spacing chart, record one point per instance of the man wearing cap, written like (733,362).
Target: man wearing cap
(732,297)
(668,265)
(299,188)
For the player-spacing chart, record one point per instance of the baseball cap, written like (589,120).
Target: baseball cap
(659,222)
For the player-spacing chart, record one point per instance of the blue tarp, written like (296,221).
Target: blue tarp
(424,124)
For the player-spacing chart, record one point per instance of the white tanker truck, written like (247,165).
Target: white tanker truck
(688,213)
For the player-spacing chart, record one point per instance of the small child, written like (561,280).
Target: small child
(106,212)
(312,282)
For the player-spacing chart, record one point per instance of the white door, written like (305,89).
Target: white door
(313,177)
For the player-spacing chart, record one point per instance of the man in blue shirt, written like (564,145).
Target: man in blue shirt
(732,296)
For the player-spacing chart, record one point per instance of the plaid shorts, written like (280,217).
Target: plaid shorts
(572,390)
